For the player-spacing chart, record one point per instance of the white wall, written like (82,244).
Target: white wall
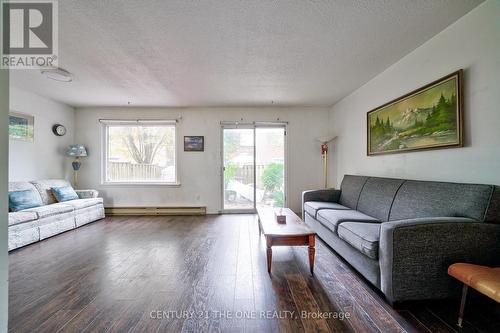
(199,173)
(471,43)
(4,146)
(43,158)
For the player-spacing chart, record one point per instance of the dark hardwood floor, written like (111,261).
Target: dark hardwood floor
(203,274)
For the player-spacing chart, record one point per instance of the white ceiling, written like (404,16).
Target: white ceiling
(232,53)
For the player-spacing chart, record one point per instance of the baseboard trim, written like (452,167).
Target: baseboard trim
(141,211)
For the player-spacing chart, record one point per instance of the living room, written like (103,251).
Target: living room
(267,166)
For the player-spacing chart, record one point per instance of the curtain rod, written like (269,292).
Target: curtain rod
(277,122)
(139,121)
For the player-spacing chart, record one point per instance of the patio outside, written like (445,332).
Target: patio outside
(240,169)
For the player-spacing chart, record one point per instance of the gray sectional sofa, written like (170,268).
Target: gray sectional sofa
(34,224)
(401,235)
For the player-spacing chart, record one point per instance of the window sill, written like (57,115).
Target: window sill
(121,184)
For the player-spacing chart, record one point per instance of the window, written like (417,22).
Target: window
(138,152)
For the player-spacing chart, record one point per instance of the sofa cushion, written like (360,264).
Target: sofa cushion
(21,217)
(377,196)
(21,186)
(364,237)
(64,193)
(332,218)
(312,207)
(44,187)
(416,199)
(24,199)
(351,189)
(51,210)
(84,203)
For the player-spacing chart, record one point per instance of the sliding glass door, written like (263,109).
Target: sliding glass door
(253,159)
(238,162)
(270,166)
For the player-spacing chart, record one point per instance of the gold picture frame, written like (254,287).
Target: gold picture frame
(430,117)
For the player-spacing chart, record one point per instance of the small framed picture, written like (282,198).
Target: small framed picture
(21,126)
(194,143)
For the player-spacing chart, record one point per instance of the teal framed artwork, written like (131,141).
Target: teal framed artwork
(21,127)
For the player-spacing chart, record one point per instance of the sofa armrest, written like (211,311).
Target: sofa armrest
(414,254)
(87,194)
(327,195)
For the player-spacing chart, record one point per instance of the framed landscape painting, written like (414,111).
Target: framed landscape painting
(21,126)
(194,143)
(430,117)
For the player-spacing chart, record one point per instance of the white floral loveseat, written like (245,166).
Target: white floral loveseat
(34,224)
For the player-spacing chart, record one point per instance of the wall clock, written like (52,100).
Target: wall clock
(59,129)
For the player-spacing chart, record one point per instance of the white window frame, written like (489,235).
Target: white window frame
(106,123)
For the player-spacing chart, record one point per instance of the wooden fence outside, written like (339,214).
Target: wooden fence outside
(245,174)
(131,171)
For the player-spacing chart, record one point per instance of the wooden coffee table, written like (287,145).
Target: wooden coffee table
(294,233)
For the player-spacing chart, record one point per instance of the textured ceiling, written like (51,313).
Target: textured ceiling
(232,53)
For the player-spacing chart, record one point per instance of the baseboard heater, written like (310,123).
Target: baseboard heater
(137,211)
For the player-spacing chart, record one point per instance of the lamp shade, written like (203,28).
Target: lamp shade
(76,151)
(325,139)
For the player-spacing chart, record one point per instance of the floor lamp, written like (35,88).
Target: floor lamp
(76,151)
(324,154)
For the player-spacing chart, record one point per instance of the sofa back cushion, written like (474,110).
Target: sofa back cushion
(20,186)
(493,213)
(44,187)
(377,196)
(350,190)
(416,199)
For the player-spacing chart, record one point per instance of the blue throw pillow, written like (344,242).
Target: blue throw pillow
(19,200)
(64,193)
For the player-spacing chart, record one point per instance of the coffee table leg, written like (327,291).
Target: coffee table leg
(312,250)
(269,244)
